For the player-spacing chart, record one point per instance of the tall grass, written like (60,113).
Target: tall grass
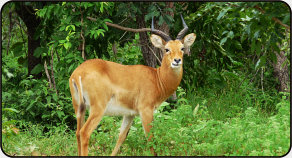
(204,123)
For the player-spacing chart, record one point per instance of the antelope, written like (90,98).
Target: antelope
(112,89)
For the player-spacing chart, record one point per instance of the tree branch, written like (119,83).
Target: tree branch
(123,28)
(52,69)
(10,30)
(82,37)
(21,29)
(280,22)
(154,54)
(274,18)
(128,29)
(263,12)
(47,73)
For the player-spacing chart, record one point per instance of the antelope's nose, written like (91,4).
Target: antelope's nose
(177,60)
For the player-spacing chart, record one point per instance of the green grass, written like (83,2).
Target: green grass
(229,123)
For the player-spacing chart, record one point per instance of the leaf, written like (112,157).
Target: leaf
(182,100)
(49,98)
(107,20)
(276,47)
(258,48)
(235,62)
(248,29)
(100,31)
(30,105)
(256,34)
(253,46)
(237,45)
(160,21)
(148,16)
(152,8)
(261,62)
(70,26)
(223,40)
(37,69)
(17,49)
(101,7)
(224,32)
(55,97)
(196,110)
(62,41)
(221,14)
(85,5)
(168,19)
(273,57)
(230,34)
(10,110)
(105,26)
(42,12)
(60,114)
(70,68)
(39,50)
(151,14)
(286,19)
(219,48)
(246,18)
(67,45)
(9,74)
(49,10)
(62,28)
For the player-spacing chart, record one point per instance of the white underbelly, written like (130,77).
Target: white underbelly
(114,108)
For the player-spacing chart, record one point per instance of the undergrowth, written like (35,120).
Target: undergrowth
(210,125)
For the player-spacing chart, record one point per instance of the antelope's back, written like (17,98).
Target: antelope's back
(98,74)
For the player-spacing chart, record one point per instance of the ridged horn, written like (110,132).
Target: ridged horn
(182,33)
(159,33)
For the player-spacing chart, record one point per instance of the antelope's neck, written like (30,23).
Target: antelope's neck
(168,78)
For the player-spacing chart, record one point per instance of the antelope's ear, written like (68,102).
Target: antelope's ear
(157,41)
(189,40)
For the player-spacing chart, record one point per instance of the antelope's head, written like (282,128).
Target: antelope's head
(173,49)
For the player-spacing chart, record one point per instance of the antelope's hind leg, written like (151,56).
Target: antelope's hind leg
(80,115)
(127,122)
(91,123)
(80,110)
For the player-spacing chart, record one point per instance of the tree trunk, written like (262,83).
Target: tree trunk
(164,27)
(27,14)
(149,57)
(281,72)
(147,48)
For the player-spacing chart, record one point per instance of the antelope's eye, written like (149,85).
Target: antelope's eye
(166,50)
(182,49)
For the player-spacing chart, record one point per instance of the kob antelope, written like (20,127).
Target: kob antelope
(108,88)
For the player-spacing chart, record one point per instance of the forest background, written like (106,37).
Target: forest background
(234,98)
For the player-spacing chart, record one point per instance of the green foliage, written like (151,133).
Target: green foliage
(249,133)
(231,38)
(129,54)
(8,125)
(190,130)
(33,140)
(37,103)
(221,110)
(33,99)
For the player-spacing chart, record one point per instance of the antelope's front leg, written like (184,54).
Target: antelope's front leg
(146,115)
(127,122)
